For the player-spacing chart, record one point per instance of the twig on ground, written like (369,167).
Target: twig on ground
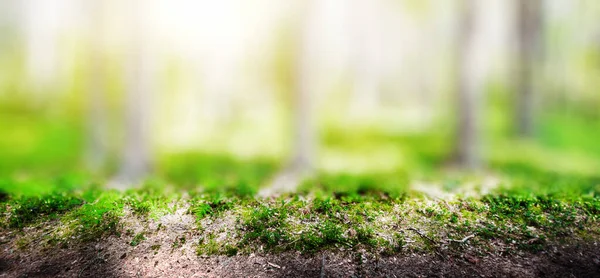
(273,265)
(465,239)
(423,235)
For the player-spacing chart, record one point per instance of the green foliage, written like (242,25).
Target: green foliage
(207,246)
(38,144)
(147,203)
(310,226)
(330,232)
(325,234)
(526,179)
(570,133)
(210,205)
(421,151)
(137,239)
(542,212)
(267,225)
(97,219)
(326,206)
(155,248)
(355,186)
(366,235)
(26,210)
(216,174)
(178,242)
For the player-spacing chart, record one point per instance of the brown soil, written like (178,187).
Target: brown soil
(114,257)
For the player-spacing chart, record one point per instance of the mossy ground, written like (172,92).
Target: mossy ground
(361,217)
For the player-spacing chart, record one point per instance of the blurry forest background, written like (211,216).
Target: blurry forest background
(219,95)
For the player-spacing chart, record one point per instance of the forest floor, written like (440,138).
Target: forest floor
(364,231)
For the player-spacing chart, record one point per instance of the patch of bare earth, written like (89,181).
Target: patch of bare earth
(114,257)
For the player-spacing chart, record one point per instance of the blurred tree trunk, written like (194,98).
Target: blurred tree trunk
(469,89)
(304,137)
(529,41)
(136,161)
(303,115)
(97,148)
